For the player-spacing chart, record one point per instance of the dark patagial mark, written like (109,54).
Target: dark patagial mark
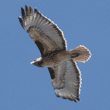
(40,46)
(52,73)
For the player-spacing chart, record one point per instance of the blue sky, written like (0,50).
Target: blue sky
(26,87)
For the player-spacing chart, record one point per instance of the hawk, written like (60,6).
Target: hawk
(61,64)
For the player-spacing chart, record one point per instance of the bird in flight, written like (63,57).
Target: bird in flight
(61,64)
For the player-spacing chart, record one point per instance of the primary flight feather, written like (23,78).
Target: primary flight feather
(65,75)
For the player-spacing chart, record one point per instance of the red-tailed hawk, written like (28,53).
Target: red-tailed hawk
(65,75)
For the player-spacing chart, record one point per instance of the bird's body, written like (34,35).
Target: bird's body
(65,75)
(49,61)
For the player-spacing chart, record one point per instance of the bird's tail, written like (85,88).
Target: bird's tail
(80,54)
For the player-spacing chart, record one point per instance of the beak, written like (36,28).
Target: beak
(32,62)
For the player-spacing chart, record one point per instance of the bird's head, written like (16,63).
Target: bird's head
(38,62)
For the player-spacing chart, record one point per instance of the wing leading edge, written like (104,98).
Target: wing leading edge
(47,36)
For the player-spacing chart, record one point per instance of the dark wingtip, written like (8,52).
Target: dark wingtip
(27,10)
(22,10)
(35,10)
(75,100)
(26,5)
(78,99)
(23,13)
(31,10)
(21,22)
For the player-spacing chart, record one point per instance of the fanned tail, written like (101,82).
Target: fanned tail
(80,54)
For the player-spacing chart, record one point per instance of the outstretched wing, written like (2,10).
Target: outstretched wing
(47,36)
(66,80)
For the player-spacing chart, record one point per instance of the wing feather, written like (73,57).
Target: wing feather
(66,80)
(21,22)
(23,14)
(42,31)
(27,10)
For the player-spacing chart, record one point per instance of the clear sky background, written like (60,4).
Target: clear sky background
(26,87)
